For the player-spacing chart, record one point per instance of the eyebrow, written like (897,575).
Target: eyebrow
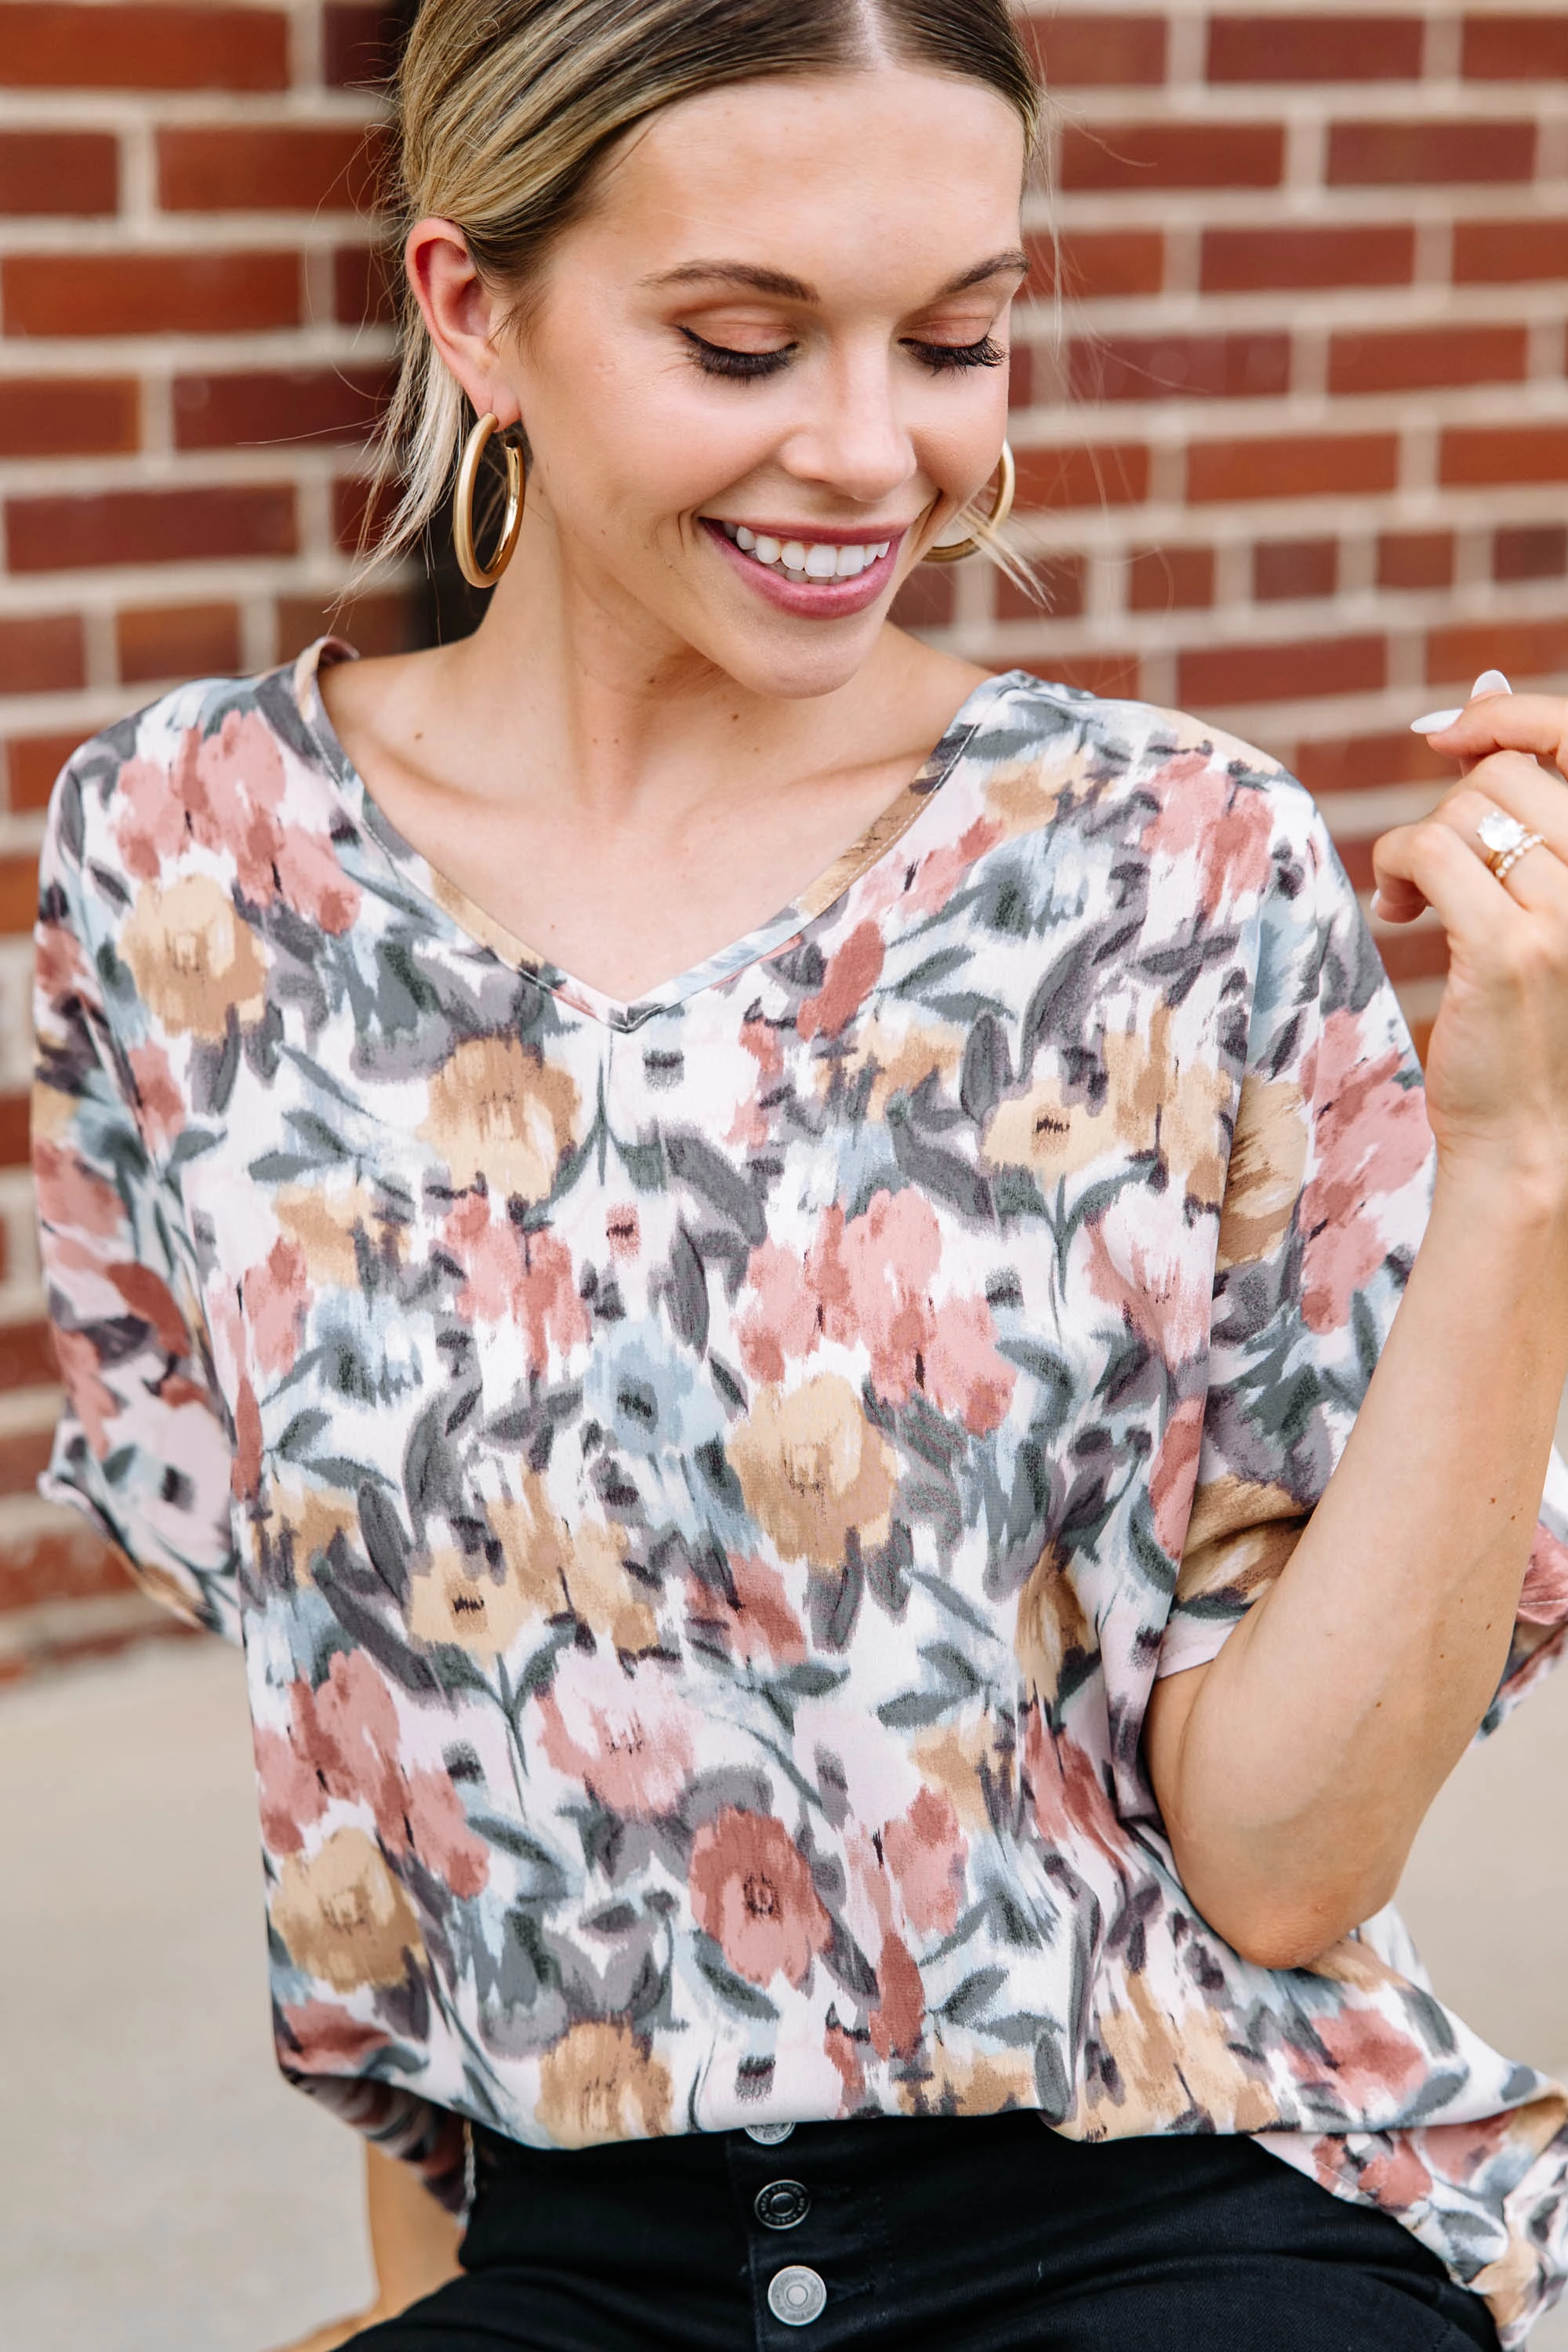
(779,283)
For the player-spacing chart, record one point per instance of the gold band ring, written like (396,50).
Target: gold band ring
(1504,841)
(1504,866)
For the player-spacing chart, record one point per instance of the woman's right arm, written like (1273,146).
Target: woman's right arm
(144,1445)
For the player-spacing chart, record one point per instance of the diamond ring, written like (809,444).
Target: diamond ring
(1505,841)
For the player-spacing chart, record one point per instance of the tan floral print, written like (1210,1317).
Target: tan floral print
(343,1915)
(599,2082)
(1267,1162)
(496,1109)
(707,1485)
(456,1599)
(812,1468)
(196,961)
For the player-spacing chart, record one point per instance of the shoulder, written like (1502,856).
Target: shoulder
(1157,807)
(217,772)
(1082,752)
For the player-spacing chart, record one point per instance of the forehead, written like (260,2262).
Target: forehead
(886,174)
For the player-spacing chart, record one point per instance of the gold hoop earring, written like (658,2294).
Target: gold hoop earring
(468,563)
(954,550)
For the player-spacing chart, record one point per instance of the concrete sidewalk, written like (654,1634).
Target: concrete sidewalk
(159,2189)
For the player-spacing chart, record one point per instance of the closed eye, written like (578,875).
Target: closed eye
(717,359)
(938,357)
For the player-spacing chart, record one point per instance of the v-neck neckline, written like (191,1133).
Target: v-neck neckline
(885,830)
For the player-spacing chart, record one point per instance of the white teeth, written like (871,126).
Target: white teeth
(820,560)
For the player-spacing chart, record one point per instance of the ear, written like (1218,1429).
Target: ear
(463,315)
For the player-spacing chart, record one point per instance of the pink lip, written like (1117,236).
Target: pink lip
(817,599)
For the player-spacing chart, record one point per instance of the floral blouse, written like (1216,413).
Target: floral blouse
(706,1485)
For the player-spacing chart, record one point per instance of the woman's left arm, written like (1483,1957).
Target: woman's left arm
(1294,1769)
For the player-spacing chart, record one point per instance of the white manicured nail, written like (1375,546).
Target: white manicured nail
(1435,721)
(1377,903)
(1490,681)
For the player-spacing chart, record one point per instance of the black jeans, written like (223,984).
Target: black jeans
(971,2235)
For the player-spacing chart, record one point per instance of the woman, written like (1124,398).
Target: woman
(871,1511)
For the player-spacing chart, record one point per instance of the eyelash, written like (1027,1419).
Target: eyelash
(717,359)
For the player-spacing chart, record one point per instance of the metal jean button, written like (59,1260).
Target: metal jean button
(769,2134)
(782,2204)
(797,2295)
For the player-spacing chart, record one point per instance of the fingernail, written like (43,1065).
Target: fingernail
(1377,902)
(1490,681)
(1435,721)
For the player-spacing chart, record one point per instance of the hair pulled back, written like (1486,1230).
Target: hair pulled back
(505,108)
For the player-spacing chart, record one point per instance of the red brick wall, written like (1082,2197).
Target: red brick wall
(192,338)
(1293,450)
(1297,448)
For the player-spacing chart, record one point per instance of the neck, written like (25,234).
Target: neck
(569,679)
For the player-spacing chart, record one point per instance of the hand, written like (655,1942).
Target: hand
(1497,1070)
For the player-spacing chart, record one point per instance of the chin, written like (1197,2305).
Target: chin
(786,671)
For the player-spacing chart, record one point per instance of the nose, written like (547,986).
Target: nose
(853,442)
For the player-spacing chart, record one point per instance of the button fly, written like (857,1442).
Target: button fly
(796,2296)
(782,2204)
(769,2134)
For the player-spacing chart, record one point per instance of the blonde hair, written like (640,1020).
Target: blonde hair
(506,108)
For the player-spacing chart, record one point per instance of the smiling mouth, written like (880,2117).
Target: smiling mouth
(815,562)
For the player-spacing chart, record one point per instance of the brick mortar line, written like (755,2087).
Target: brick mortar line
(21,834)
(1117,631)
(137,588)
(273,352)
(60,108)
(1371,610)
(306,46)
(26,1308)
(116,237)
(25,1412)
(1412,302)
(1394,615)
(1102,536)
(265,465)
(109,588)
(1289,417)
(1279,207)
(1308,414)
(1227,104)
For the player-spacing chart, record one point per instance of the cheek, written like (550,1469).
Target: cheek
(619,431)
(957,440)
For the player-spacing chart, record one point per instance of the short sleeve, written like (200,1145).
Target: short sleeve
(1325,1202)
(145,1446)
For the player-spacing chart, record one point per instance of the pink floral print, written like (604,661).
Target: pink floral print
(706,1485)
